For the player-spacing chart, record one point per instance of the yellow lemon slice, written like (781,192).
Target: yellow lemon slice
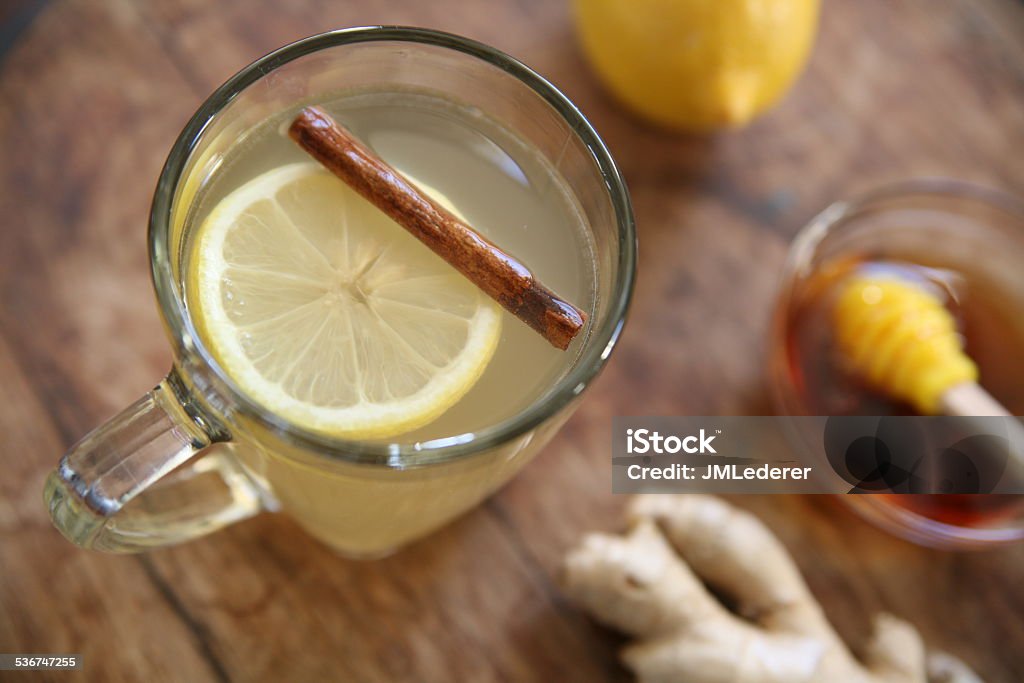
(329,314)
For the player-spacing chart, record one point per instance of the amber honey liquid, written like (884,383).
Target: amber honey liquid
(993,333)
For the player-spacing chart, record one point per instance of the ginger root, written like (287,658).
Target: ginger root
(653,582)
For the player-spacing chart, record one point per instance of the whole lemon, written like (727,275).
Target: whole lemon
(697,64)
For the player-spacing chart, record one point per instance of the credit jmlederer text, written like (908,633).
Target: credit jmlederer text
(721,472)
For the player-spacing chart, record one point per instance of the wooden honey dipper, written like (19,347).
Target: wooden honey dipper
(902,341)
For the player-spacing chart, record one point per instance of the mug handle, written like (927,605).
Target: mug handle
(151,441)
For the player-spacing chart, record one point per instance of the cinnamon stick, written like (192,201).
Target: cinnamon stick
(497,273)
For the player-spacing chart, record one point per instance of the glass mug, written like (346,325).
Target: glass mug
(195,454)
(937,223)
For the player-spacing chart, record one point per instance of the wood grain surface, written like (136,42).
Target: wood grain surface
(92,95)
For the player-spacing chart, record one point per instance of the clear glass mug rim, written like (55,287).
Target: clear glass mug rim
(187,344)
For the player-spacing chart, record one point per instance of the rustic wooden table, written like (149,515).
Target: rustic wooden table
(91,96)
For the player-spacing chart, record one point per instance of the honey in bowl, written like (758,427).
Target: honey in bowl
(824,384)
